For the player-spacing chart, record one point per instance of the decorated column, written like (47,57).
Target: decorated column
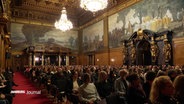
(30,59)
(42,59)
(59,60)
(67,60)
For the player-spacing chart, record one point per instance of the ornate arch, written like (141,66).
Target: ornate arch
(157,46)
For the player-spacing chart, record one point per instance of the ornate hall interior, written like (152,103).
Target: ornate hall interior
(130,32)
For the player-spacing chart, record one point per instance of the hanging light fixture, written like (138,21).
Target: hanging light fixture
(63,23)
(93,5)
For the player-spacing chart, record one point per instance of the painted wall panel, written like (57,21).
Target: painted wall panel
(25,35)
(155,15)
(93,37)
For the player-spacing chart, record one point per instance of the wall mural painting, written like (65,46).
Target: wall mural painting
(24,35)
(155,15)
(93,37)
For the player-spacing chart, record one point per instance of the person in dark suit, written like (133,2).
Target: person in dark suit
(73,87)
(150,76)
(104,87)
(62,86)
(2,95)
(136,94)
(5,88)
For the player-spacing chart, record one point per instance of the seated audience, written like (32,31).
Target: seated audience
(149,77)
(172,74)
(73,87)
(87,91)
(161,73)
(179,88)
(3,102)
(104,87)
(162,91)
(62,86)
(5,88)
(3,99)
(136,94)
(121,86)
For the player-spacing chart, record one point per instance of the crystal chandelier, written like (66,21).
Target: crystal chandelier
(93,5)
(63,24)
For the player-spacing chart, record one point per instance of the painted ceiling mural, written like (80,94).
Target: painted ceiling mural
(42,37)
(155,15)
(93,37)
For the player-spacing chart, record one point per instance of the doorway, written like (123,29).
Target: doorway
(91,59)
(143,53)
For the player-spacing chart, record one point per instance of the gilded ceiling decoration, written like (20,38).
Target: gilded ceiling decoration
(46,12)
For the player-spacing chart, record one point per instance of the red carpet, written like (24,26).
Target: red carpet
(26,92)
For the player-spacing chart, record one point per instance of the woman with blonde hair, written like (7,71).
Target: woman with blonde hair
(179,88)
(103,86)
(162,91)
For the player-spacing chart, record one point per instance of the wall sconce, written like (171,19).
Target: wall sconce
(36,58)
(112,60)
(97,60)
(7,36)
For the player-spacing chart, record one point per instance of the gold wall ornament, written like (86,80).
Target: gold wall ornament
(140,34)
(152,40)
(132,52)
(154,52)
(167,51)
(124,52)
(59,2)
(160,38)
(165,37)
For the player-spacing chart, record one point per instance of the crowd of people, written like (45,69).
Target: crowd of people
(6,84)
(112,84)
